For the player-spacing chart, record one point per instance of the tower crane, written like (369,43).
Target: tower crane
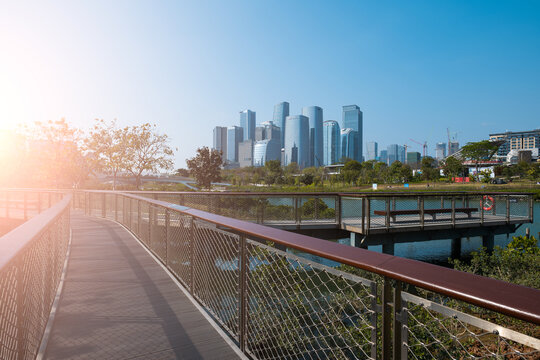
(424,146)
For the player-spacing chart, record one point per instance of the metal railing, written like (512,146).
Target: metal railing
(360,304)
(31,261)
(362,212)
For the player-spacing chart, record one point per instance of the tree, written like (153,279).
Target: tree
(182,172)
(351,171)
(476,151)
(147,151)
(205,166)
(452,167)
(274,172)
(429,171)
(109,147)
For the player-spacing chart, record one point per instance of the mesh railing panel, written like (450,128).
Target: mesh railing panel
(158,232)
(27,289)
(144,223)
(179,245)
(277,209)
(317,209)
(299,310)
(216,273)
(435,331)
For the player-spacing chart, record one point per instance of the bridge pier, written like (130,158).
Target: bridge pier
(388,248)
(456,248)
(488,241)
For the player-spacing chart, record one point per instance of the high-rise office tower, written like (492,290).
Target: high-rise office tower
(348,143)
(281,111)
(331,142)
(393,153)
(247,122)
(235,135)
(440,150)
(271,131)
(413,159)
(245,153)
(315,116)
(402,157)
(372,150)
(297,140)
(383,156)
(454,147)
(220,140)
(352,119)
(266,150)
(259,133)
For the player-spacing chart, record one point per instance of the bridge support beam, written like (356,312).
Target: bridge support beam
(488,241)
(388,248)
(456,248)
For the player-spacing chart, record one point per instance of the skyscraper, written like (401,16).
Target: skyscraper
(266,150)
(413,159)
(454,147)
(394,153)
(235,135)
(348,143)
(281,111)
(372,150)
(247,122)
(440,150)
(245,153)
(383,156)
(315,116)
(352,118)
(297,140)
(331,142)
(271,131)
(220,140)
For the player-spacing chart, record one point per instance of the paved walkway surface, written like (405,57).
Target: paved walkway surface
(118,303)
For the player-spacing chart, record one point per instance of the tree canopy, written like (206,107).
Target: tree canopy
(205,166)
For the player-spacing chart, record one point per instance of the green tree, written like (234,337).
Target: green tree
(205,166)
(274,172)
(429,171)
(477,151)
(351,171)
(452,167)
(182,172)
(147,151)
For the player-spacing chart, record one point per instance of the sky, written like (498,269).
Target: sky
(415,68)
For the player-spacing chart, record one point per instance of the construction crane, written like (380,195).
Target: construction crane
(424,146)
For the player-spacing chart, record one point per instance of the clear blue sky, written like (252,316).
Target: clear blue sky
(414,67)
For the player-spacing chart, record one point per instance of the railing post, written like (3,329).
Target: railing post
(363,215)
(368,215)
(386,319)
(482,198)
(192,257)
(138,218)
(374,316)
(316,207)
(338,210)
(296,210)
(387,217)
(453,211)
(116,207)
(103,205)
(167,224)
(507,209)
(421,208)
(531,209)
(398,324)
(242,301)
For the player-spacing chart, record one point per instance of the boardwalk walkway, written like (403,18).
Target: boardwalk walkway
(118,303)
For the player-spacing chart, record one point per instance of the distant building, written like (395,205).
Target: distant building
(245,153)
(348,143)
(220,140)
(414,159)
(297,140)
(372,150)
(266,150)
(247,122)
(383,156)
(281,111)
(331,142)
(235,135)
(259,133)
(453,147)
(440,151)
(395,153)
(352,119)
(271,131)
(315,116)
(521,140)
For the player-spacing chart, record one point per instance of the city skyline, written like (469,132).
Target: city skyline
(415,68)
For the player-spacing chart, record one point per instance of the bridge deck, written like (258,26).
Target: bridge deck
(118,303)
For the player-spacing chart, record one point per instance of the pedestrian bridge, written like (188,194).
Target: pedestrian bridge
(117,275)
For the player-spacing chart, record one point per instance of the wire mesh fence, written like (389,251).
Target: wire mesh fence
(277,305)
(28,283)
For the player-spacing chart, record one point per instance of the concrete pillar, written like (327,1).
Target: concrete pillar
(388,248)
(456,248)
(488,241)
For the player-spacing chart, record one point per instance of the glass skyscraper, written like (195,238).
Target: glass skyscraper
(281,111)
(348,143)
(220,140)
(315,116)
(352,119)
(266,150)
(396,153)
(235,135)
(372,150)
(247,122)
(331,142)
(383,156)
(297,140)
